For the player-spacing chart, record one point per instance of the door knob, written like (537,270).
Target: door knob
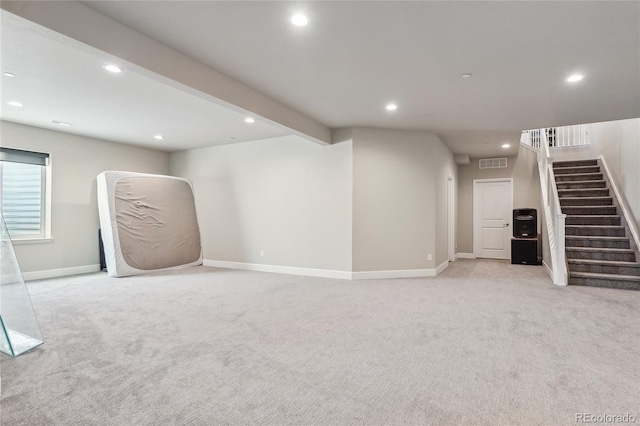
(505,225)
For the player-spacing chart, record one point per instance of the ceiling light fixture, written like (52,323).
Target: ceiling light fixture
(113,68)
(391,107)
(575,77)
(506,145)
(159,137)
(16,104)
(299,20)
(467,75)
(249,120)
(8,74)
(61,123)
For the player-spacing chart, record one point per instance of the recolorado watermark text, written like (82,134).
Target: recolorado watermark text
(605,418)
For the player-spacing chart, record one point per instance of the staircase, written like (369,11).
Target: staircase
(599,249)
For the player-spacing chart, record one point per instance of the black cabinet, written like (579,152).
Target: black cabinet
(526,251)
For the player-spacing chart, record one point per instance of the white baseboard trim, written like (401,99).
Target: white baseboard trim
(444,265)
(327,273)
(62,272)
(466,256)
(291,270)
(397,273)
(400,273)
(548,269)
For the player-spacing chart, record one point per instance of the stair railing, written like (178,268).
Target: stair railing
(557,137)
(568,136)
(531,138)
(554,218)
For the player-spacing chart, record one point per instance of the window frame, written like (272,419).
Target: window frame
(45,196)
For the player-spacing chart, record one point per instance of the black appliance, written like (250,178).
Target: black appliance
(525,223)
(526,251)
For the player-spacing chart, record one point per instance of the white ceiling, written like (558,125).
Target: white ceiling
(56,81)
(354,57)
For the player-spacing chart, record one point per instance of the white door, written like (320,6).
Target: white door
(492,210)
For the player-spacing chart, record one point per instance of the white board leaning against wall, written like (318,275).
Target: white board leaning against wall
(148,223)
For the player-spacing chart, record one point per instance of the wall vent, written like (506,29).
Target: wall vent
(493,163)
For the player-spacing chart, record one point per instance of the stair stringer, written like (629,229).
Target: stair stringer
(623,208)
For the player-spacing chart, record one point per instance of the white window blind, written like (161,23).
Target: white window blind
(22,178)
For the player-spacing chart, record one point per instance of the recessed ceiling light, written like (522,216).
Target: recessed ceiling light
(15,103)
(299,20)
(249,120)
(575,77)
(391,107)
(467,75)
(506,145)
(113,68)
(159,137)
(61,123)
(8,74)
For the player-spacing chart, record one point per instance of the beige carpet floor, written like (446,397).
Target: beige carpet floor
(484,343)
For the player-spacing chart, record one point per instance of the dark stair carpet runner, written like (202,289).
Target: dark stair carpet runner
(599,248)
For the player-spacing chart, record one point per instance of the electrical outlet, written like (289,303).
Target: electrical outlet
(429,257)
(261,253)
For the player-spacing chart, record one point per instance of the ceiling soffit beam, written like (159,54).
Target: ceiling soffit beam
(461,159)
(91,30)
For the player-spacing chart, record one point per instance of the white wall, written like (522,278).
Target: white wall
(288,197)
(526,191)
(375,200)
(285,196)
(399,199)
(75,163)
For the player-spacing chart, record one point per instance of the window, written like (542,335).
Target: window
(23,186)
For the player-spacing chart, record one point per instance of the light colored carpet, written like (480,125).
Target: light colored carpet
(485,343)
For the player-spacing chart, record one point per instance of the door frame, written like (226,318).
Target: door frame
(476,215)
(451,218)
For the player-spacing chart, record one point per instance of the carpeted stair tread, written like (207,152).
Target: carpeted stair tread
(596,226)
(587,231)
(578,177)
(598,249)
(604,262)
(576,170)
(586,201)
(583,192)
(589,210)
(580,241)
(613,267)
(601,253)
(579,219)
(595,275)
(574,163)
(594,279)
(595,237)
(581,184)
(584,182)
(597,198)
(586,175)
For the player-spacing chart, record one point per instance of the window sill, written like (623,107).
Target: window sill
(21,241)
